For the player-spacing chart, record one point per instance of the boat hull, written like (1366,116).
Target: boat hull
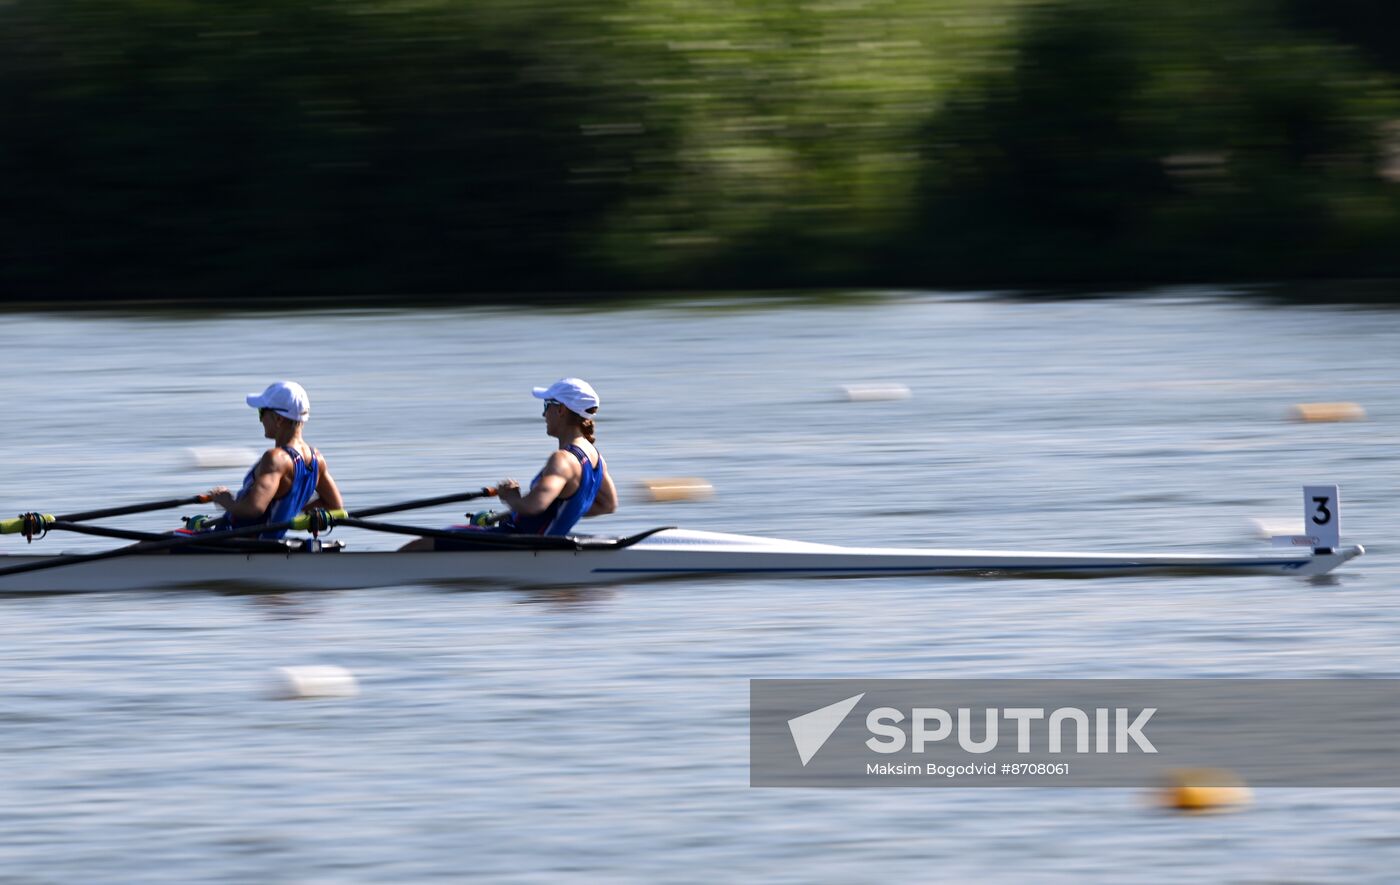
(674,553)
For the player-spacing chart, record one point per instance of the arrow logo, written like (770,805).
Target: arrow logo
(811,730)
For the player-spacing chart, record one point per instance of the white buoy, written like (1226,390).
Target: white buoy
(1267,529)
(205,457)
(324,681)
(870,393)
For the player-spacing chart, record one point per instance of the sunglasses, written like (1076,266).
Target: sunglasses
(548,403)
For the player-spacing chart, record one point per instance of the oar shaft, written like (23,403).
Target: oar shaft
(134,508)
(16,525)
(475,538)
(253,546)
(425,502)
(500,540)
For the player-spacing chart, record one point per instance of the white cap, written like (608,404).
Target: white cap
(577,395)
(286,398)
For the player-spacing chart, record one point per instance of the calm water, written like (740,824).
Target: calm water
(592,735)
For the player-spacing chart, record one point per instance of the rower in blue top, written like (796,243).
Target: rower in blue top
(289,478)
(574,482)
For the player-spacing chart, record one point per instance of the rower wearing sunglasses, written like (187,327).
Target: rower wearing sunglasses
(574,482)
(289,478)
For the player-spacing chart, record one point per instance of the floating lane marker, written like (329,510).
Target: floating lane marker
(303,683)
(205,457)
(1202,790)
(1318,413)
(1268,529)
(677,488)
(870,393)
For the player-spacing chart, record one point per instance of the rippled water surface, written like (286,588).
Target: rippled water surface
(602,734)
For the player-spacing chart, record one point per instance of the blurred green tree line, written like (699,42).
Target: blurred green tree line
(179,149)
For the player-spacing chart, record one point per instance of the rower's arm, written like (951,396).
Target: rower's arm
(327,492)
(552,481)
(267,477)
(606,502)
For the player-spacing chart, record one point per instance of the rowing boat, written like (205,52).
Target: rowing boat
(660,553)
(670,553)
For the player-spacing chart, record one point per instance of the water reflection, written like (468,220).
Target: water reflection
(572,598)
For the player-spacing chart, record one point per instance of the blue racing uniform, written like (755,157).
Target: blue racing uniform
(562,513)
(282,509)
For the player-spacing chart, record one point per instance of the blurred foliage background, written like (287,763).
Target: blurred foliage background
(479,148)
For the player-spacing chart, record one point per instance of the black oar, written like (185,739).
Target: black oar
(315,521)
(32,521)
(135,508)
(103,531)
(501,540)
(426,502)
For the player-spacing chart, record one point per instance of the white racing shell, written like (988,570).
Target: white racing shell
(661,553)
(669,553)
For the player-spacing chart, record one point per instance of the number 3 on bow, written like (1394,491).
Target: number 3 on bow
(1320,505)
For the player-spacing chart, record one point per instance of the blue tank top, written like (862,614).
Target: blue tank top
(563,513)
(303,489)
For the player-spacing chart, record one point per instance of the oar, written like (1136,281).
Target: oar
(103,531)
(502,540)
(136,508)
(316,520)
(426,502)
(477,538)
(17,524)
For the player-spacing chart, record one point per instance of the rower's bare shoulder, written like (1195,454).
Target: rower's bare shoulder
(273,459)
(562,463)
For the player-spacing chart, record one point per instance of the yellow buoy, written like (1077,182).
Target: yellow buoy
(1204,790)
(679,488)
(1315,413)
